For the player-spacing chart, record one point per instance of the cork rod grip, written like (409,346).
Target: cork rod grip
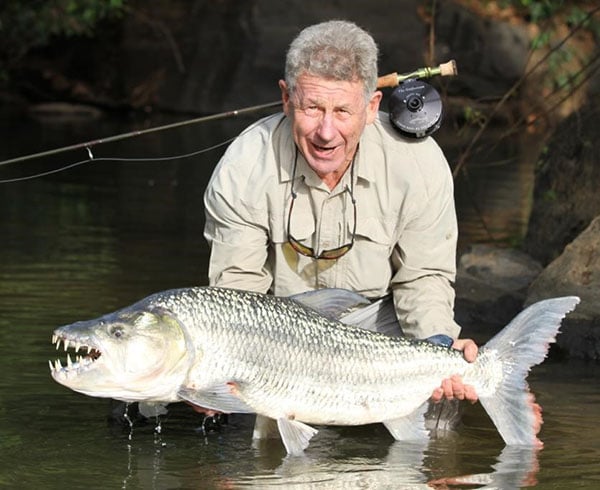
(394,79)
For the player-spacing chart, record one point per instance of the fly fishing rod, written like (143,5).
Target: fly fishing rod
(90,144)
(395,79)
(417,101)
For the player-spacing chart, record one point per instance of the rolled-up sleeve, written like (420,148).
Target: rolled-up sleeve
(236,224)
(238,249)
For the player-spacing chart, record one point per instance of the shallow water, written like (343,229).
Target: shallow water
(88,241)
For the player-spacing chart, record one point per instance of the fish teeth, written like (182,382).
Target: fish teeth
(69,362)
(66,342)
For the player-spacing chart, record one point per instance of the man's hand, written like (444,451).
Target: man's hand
(453,387)
(206,411)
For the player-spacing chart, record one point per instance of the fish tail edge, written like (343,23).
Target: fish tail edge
(523,343)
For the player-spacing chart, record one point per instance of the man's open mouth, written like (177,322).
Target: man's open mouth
(85,356)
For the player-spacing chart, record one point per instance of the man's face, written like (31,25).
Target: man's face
(328,118)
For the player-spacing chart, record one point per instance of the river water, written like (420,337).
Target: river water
(81,243)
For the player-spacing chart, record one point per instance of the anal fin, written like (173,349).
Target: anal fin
(295,435)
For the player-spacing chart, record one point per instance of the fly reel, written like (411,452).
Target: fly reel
(415,109)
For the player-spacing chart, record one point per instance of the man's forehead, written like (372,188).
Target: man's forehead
(317,88)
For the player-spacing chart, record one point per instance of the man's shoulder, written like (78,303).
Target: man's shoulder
(402,151)
(256,146)
(253,157)
(383,130)
(257,135)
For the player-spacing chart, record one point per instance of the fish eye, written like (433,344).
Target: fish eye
(116,331)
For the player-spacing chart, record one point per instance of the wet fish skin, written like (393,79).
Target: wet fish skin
(237,351)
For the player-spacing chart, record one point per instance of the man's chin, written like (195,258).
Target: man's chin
(325,164)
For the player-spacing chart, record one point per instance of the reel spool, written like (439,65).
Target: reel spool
(415,108)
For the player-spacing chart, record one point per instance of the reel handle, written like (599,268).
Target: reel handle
(393,79)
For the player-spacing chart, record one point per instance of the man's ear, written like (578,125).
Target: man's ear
(285,97)
(373,106)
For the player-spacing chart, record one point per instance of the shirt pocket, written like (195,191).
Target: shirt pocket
(302,227)
(370,267)
(375,232)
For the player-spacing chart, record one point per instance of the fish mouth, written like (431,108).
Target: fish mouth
(86,354)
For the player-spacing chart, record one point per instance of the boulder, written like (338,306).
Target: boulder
(576,272)
(491,54)
(494,284)
(567,179)
(491,287)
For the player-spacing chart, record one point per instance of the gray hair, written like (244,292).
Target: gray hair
(334,50)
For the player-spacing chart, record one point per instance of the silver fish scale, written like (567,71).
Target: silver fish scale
(288,360)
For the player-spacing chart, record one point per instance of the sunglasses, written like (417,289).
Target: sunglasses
(330,254)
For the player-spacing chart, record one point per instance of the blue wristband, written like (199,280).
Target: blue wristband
(441,340)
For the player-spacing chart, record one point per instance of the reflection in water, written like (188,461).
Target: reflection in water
(408,465)
(516,467)
(353,464)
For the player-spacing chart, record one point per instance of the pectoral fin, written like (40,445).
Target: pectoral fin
(150,410)
(295,435)
(411,427)
(221,398)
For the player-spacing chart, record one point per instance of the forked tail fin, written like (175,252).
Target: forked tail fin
(523,343)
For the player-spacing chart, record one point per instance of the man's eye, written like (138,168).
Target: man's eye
(311,110)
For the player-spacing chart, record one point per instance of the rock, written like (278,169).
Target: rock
(58,112)
(491,54)
(567,179)
(576,272)
(494,284)
(491,286)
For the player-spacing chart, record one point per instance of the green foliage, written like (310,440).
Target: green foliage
(550,195)
(473,116)
(31,24)
(564,60)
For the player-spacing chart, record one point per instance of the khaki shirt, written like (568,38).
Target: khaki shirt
(406,227)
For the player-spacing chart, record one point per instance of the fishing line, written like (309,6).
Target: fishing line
(91,158)
(140,132)
(114,159)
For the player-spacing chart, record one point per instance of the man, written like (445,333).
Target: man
(328,194)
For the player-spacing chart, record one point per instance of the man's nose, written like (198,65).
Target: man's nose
(327,127)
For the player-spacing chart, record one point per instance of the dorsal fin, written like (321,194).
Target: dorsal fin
(353,309)
(332,303)
(379,316)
